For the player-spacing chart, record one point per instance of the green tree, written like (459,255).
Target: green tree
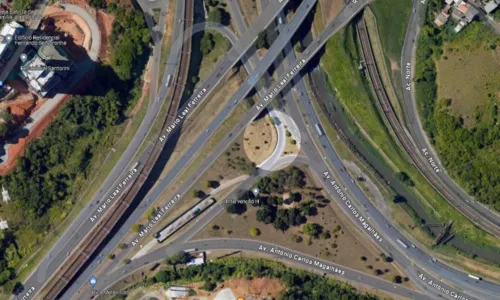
(207,43)
(136,227)
(254,232)
(4,128)
(164,276)
(215,15)
(266,215)
(262,40)
(312,230)
(237,208)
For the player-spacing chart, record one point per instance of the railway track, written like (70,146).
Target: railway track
(405,140)
(74,263)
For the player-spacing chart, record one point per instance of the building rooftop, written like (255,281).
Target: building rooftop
(7,34)
(37,70)
(490,6)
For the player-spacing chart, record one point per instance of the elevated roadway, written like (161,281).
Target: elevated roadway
(392,246)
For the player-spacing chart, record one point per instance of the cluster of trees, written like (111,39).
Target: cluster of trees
(471,156)
(207,43)
(299,284)
(467,153)
(97,3)
(5,123)
(405,178)
(217,13)
(129,37)
(282,219)
(46,173)
(51,168)
(290,178)
(429,46)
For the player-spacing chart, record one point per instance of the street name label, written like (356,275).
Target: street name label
(431,160)
(305,260)
(189,107)
(118,189)
(28,293)
(408,76)
(442,289)
(353,210)
(163,210)
(281,84)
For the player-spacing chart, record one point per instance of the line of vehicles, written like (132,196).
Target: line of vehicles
(182,220)
(433,260)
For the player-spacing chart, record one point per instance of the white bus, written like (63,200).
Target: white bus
(169,79)
(402,243)
(318,129)
(191,250)
(474,277)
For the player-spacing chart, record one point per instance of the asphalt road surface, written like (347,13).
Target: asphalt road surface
(483,217)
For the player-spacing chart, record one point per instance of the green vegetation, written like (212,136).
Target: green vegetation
(340,62)
(179,258)
(129,37)
(276,183)
(23,4)
(97,3)
(254,232)
(470,155)
(219,15)
(262,40)
(237,208)
(270,210)
(299,284)
(312,230)
(392,18)
(207,43)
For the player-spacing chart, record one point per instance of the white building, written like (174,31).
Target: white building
(3,224)
(5,195)
(177,292)
(7,38)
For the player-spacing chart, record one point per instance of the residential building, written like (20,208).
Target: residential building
(3,224)
(7,38)
(177,292)
(491,6)
(45,68)
(5,195)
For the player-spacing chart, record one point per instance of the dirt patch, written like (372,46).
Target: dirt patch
(249,10)
(394,65)
(72,28)
(260,139)
(345,246)
(105,23)
(469,79)
(36,131)
(331,9)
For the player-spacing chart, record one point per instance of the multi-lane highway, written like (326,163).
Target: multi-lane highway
(309,52)
(454,194)
(437,265)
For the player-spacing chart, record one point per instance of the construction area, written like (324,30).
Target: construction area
(31,99)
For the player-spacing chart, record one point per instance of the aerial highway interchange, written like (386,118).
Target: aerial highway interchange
(321,157)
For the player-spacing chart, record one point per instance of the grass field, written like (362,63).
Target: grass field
(469,74)
(208,62)
(339,62)
(392,17)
